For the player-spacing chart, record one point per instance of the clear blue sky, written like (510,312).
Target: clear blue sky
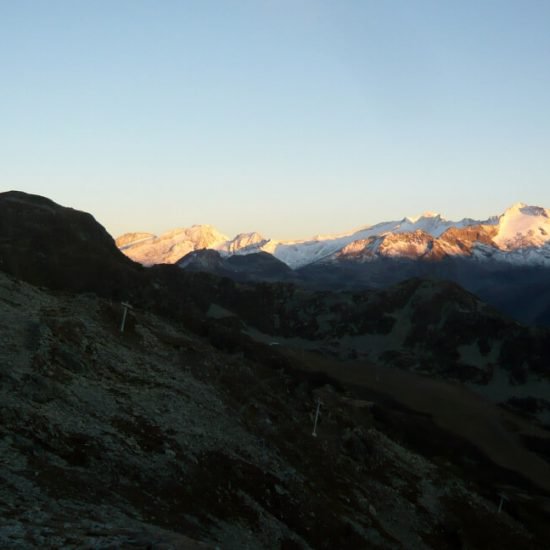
(289,117)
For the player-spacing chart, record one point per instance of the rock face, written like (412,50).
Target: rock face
(418,245)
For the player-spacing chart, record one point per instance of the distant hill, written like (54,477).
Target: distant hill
(257,266)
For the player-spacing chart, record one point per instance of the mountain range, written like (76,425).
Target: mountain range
(521,235)
(505,259)
(192,427)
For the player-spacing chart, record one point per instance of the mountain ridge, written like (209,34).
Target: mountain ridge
(509,235)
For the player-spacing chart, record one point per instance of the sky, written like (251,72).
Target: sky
(287,117)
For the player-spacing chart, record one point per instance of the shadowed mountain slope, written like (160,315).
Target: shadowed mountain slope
(522,292)
(258,266)
(47,244)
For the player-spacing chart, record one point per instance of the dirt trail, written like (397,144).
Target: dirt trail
(453,407)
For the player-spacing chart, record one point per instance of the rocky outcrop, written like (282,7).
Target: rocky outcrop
(47,244)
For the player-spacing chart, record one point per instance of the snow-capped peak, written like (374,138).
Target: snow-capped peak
(522,225)
(427,214)
(172,245)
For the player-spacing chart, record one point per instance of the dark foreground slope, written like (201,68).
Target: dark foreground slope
(152,437)
(186,427)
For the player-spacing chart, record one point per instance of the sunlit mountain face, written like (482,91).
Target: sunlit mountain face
(520,235)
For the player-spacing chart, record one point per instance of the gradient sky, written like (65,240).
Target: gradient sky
(289,117)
